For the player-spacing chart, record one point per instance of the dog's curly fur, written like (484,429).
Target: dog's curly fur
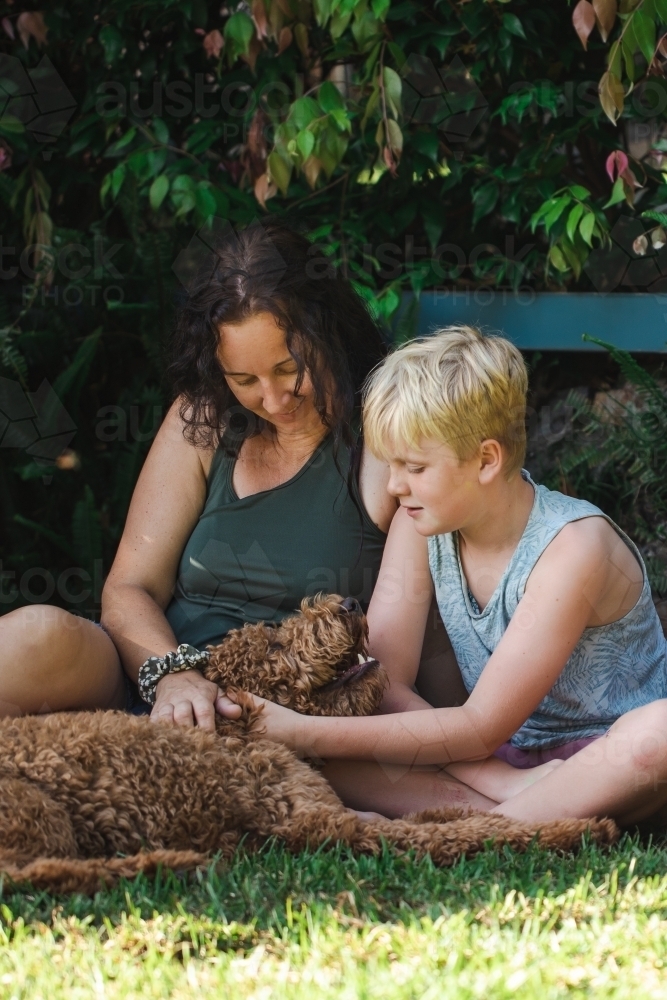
(79,789)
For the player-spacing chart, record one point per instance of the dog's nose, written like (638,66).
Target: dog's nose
(351,606)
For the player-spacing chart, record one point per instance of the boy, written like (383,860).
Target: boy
(546,602)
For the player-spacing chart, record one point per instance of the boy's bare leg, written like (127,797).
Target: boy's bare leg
(622,775)
(497,779)
(52,661)
(394,790)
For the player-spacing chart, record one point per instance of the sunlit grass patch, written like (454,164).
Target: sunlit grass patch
(327,924)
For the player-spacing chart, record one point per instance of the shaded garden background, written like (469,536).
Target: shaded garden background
(125,128)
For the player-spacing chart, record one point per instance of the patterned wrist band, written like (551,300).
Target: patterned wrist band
(156,667)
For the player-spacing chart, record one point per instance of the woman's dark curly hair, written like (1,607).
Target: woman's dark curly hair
(329,332)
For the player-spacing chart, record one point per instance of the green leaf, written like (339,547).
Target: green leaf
(280,171)
(11,126)
(512,24)
(399,55)
(117,178)
(322,10)
(660,217)
(586,227)
(573,219)
(661,10)
(555,213)
(330,97)
(76,373)
(205,200)
(392,89)
(380,8)
(239,30)
(557,259)
(112,42)
(158,191)
(570,255)
(427,143)
(577,191)
(484,199)
(394,136)
(306,143)
(341,119)
(124,140)
(161,131)
(183,194)
(339,23)
(304,111)
(644,31)
(617,193)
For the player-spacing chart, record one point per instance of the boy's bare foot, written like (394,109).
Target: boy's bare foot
(368,817)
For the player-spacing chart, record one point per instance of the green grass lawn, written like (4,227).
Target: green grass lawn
(328,925)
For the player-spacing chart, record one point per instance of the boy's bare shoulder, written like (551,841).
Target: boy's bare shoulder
(589,546)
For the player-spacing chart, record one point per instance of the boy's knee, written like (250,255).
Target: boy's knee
(646,728)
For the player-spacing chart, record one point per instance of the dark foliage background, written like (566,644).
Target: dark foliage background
(303,109)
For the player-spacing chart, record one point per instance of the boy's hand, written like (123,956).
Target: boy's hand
(275,723)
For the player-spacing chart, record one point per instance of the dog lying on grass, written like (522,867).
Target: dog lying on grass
(79,789)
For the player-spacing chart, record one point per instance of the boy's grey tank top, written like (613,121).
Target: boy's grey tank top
(613,668)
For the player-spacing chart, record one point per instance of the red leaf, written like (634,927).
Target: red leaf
(617,163)
(259,17)
(630,178)
(389,160)
(213,43)
(9,29)
(583,19)
(662,46)
(605,11)
(264,189)
(285,40)
(31,24)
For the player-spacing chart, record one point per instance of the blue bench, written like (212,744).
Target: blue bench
(552,321)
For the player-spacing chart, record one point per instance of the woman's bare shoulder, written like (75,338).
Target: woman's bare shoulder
(174,443)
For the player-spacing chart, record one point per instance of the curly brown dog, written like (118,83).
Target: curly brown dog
(79,789)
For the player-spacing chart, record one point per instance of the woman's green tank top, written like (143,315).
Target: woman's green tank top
(254,558)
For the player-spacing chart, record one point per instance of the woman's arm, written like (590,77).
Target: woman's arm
(562,592)
(167,501)
(373,479)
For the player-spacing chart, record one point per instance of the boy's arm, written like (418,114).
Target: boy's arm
(562,592)
(398,613)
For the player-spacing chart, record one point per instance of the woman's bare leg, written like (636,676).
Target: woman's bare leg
(622,775)
(394,790)
(51,661)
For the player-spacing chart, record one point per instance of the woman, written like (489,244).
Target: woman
(254,494)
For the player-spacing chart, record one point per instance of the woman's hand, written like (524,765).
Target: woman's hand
(188,699)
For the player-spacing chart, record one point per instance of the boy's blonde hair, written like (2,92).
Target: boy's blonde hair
(458,387)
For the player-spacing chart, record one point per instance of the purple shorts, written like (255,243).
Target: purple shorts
(533,758)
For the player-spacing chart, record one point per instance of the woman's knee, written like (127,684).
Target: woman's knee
(68,658)
(42,629)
